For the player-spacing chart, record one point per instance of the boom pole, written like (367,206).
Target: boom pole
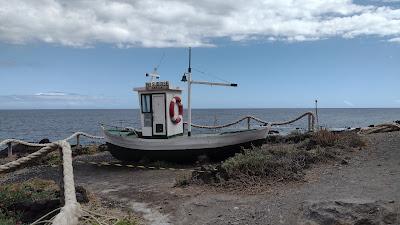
(189,81)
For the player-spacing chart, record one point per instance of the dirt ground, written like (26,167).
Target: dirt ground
(372,173)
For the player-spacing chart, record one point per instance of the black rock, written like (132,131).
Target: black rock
(31,211)
(371,125)
(344,162)
(273,132)
(82,195)
(44,141)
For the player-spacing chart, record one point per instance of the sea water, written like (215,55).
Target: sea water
(34,125)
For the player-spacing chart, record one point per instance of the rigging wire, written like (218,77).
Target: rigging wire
(210,75)
(161,61)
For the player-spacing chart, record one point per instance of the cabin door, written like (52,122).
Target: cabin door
(159,111)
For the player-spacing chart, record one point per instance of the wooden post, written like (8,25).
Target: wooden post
(316,113)
(62,196)
(9,149)
(313,123)
(77,141)
(248,123)
(309,123)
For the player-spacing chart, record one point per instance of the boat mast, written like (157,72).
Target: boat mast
(189,93)
(189,81)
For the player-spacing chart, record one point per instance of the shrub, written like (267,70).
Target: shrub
(324,138)
(182,180)
(351,139)
(282,162)
(14,199)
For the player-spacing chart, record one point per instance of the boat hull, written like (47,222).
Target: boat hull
(183,148)
(187,155)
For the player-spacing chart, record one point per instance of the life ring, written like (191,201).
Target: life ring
(176,117)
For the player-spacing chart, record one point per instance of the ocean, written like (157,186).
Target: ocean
(34,125)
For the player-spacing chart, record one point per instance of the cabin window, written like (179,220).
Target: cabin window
(146,103)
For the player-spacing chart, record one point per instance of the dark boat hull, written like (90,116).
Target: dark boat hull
(187,155)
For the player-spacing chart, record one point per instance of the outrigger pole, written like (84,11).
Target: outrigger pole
(187,77)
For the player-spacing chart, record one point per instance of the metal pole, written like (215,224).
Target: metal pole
(9,149)
(189,94)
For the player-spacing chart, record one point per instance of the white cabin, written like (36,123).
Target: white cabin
(157,101)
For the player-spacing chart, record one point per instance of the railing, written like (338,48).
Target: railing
(311,122)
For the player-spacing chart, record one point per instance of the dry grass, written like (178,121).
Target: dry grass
(281,162)
(13,196)
(182,180)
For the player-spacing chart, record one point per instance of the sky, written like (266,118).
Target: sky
(282,53)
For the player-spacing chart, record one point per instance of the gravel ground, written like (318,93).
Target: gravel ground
(372,173)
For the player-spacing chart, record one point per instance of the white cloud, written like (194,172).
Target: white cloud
(395,40)
(348,103)
(53,100)
(159,23)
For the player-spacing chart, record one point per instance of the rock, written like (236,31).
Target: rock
(349,211)
(397,121)
(44,141)
(344,162)
(371,125)
(273,132)
(102,148)
(82,195)
(34,210)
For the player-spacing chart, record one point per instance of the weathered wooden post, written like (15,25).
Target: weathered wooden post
(9,148)
(316,113)
(313,123)
(61,170)
(309,123)
(77,141)
(248,123)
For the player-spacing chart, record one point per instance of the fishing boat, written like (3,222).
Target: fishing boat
(162,135)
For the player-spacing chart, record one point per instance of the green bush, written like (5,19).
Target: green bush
(281,162)
(29,191)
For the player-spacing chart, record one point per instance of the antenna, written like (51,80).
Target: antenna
(154,75)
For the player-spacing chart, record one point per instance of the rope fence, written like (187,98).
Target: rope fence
(71,211)
(311,122)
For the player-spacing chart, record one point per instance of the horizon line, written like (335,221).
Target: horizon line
(201,108)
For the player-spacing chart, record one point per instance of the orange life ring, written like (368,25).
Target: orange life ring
(176,117)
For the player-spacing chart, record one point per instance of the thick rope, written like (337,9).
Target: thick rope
(21,161)
(71,211)
(258,120)
(386,127)
(296,119)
